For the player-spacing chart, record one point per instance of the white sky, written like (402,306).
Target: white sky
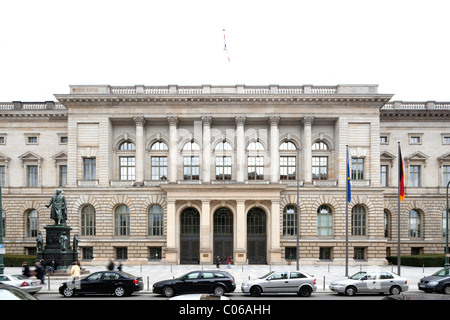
(47,45)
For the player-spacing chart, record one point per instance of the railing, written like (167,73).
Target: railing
(416,105)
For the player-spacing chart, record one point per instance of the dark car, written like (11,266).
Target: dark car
(118,283)
(216,282)
(8,292)
(437,282)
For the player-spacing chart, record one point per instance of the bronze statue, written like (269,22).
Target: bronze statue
(64,241)
(59,208)
(39,242)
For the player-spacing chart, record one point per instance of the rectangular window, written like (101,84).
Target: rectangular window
(320,168)
(127,168)
(359,253)
(191,168)
(384,175)
(255,168)
(159,168)
(89,168)
(445,175)
(414,176)
(287,168)
(384,140)
(446,140)
(88,253)
(414,139)
(357,168)
(223,168)
(32,176)
(32,140)
(121,253)
(325,253)
(155,253)
(62,175)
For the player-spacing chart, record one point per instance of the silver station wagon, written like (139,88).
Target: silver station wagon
(370,282)
(281,282)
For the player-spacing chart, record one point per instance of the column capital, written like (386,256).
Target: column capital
(139,120)
(173,120)
(239,120)
(206,120)
(308,120)
(274,120)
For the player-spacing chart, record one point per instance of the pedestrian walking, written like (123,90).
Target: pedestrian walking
(40,272)
(217,262)
(229,262)
(110,266)
(25,269)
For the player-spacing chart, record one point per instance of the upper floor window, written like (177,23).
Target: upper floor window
(155,220)
(255,145)
(191,146)
(89,168)
(88,221)
(127,146)
(122,221)
(319,145)
(414,176)
(223,146)
(32,223)
(357,168)
(324,221)
(159,145)
(287,145)
(358,221)
(127,168)
(414,224)
(290,220)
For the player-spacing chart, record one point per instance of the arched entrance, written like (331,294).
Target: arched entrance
(256,236)
(223,233)
(190,236)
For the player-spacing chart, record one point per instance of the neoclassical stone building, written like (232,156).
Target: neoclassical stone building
(181,174)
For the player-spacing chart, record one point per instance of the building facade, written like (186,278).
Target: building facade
(182,174)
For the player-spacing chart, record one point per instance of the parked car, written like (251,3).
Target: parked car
(437,282)
(281,282)
(23,283)
(118,283)
(216,282)
(9,292)
(370,282)
(199,296)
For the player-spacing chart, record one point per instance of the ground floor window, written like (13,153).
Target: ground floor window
(121,253)
(359,253)
(325,253)
(155,253)
(87,253)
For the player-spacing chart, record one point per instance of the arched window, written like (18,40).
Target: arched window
(414,226)
(255,145)
(155,221)
(223,146)
(319,145)
(127,146)
(122,220)
(324,221)
(387,223)
(191,146)
(88,221)
(287,145)
(32,223)
(159,145)
(358,221)
(290,220)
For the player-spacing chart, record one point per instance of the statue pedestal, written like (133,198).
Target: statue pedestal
(53,249)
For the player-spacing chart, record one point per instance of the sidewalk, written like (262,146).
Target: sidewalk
(323,273)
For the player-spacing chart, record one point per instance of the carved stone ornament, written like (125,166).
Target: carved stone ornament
(173,120)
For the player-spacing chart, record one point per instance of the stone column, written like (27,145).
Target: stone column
(172,249)
(307,154)
(206,120)
(274,149)
(173,149)
(139,179)
(205,233)
(240,149)
(241,233)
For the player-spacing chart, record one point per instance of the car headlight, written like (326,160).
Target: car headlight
(433,283)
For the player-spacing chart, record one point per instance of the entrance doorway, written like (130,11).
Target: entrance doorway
(190,236)
(223,233)
(256,236)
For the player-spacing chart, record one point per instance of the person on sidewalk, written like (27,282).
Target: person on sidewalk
(25,269)
(40,272)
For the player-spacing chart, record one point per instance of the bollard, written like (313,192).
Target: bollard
(48,281)
(148,283)
(323,282)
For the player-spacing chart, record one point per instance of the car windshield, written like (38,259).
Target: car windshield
(266,275)
(357,275)
(443,273)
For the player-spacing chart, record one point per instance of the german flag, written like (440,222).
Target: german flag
(401,174)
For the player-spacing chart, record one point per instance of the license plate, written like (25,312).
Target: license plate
(421,286)
(35,283)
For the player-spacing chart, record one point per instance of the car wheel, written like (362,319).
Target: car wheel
(446,289)
(219,291)
(119,291)
(395,290)
(168,291)
(305,291)
(255,291)
(68,292)
(350,291)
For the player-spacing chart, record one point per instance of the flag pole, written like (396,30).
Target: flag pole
(346,214)
(298,208)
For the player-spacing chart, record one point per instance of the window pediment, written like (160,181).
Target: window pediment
(417,157)
(445,158)
(30,157)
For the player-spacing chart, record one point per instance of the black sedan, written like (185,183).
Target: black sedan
(215,282)
(104,282)
(437,282)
